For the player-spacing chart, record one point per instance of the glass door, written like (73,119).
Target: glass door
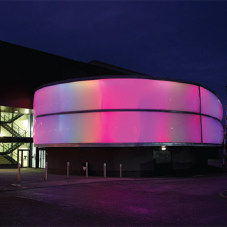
(23,157)
(42,158)
(39,157)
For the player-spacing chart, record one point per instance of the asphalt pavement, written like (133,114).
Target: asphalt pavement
(98,201)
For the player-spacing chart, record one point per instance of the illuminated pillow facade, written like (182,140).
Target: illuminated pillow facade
(126,111)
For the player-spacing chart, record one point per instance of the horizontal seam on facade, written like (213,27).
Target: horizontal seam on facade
(126,110)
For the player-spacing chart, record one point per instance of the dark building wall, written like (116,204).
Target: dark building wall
(136,161)
(22,70)
(183,158)
(15,87)
(193,159)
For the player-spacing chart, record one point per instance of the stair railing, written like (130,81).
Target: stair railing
(9,119)
(19,131)
(10,149)
(12,158)
(16,131)
(4,146)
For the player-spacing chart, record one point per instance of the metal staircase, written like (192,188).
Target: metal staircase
(4,160)
(9,149)
(7,119)
(16,131)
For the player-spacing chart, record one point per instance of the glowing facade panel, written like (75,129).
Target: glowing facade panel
(130,93)
(118,127)
(210,104)
(212,130)
(126,110)
(76,96)
(150,127)
(67,128)
(149,94)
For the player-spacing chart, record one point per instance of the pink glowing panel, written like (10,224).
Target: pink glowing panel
(68,128)
(213,131)
(210,104)
(146,127)
(117,127)
(127,93)
(149,94)
(120,127)
(81,95)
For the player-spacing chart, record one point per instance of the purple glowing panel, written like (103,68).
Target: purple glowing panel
(212,130)
(67,128)
(149,94)
(147,127)
(118,127)
(210,104)
(130,93)
(75,96)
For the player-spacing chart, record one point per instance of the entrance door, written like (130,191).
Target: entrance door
(23,157)
(40,157)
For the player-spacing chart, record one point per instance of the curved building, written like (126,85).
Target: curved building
(100,113)
(82,118)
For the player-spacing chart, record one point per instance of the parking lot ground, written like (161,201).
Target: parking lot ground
(99,201)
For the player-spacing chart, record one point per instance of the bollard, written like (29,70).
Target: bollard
(104,170)
(46,166)
(18,175)
(120,170)
(68,165)
(86,169)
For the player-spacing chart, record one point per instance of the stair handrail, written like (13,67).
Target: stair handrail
(19,130)
(7,118)
(4,117)
(16,130)
(12,148)
(5,147)
(11,158)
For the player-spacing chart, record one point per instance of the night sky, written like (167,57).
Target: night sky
(184,40)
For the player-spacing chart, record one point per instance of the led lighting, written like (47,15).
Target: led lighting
(117,94)
(173,113)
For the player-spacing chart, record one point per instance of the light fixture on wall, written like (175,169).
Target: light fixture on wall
(163,148)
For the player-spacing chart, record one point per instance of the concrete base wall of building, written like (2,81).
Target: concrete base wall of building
(136,161)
